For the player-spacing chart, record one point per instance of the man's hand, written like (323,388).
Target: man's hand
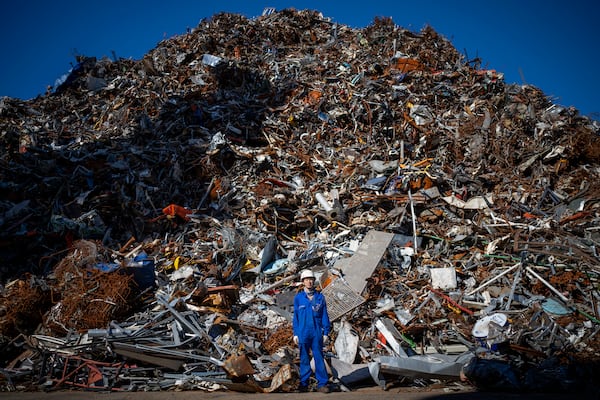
(296,339)
(325,339)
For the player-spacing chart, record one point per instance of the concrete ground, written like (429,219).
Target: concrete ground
(358,394)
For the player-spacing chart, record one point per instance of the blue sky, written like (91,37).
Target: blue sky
(550,44)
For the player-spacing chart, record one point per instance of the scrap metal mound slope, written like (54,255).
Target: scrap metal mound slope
(286,94)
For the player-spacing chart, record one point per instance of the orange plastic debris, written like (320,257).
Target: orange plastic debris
(173,210)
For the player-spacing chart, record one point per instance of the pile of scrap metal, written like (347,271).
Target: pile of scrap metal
(155,215)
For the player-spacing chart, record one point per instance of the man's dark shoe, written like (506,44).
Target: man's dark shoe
(302,389)
(324,389)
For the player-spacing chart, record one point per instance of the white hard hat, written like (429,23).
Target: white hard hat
(307,273)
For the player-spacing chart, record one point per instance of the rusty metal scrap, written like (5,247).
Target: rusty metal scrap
(279,338)
(22,301)
(86,297)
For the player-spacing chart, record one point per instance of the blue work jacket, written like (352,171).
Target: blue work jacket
(311,319)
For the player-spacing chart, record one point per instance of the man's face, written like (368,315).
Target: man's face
(309,283)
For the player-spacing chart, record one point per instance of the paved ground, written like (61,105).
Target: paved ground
(359,394)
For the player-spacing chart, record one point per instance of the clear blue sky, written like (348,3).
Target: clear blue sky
(550,44)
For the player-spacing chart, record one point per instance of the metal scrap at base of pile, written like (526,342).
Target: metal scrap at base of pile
(156,214)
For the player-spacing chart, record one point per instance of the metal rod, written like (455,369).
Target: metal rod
(512,290)
(559,294)
(414,221)
(493,279)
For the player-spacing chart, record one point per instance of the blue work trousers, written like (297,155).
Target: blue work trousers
(307,345)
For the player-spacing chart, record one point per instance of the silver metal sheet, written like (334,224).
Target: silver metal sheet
(362,263)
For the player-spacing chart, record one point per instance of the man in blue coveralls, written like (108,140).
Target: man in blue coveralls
(311,331)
